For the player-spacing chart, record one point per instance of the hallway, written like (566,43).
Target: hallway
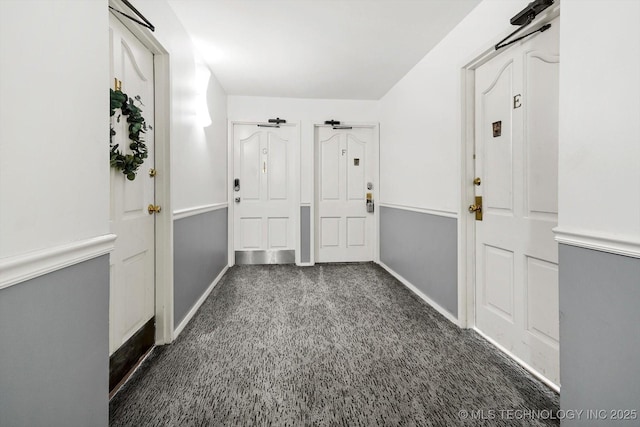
(333,344)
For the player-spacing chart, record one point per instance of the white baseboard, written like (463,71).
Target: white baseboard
(198,303)
(419,293)
(20,268)
(521,362)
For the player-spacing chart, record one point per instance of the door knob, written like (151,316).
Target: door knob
(477,208)
(153,209)
(237,199)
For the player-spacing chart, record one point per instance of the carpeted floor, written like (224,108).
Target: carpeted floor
(342,344)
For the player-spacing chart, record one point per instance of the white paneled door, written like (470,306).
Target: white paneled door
(516,103)
(132,261)
(264,195)
(344,177)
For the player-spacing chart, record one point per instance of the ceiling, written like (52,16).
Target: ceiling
(342,49)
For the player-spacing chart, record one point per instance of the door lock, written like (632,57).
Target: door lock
(369,202)
(237,199)
(477,208)
(153,209)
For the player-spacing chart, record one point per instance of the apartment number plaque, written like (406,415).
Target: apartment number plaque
(497,128)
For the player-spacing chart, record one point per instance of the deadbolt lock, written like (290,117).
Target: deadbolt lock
(153,172)
(153,209)
(477,181)
(477,208)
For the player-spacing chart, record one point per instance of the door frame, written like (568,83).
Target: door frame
(466,221)
(375,127)
(163,283)
(230,192)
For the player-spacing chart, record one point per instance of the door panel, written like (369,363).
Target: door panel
(356,181)
(517,161)
(132,262)
(356,231)
(278,168)
(343,164)
(498,149)
(498,281)
(250,168)
(265,215)
(330,169)
(541,137)
(278,233)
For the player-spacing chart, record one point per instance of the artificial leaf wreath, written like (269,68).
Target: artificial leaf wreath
(128,163)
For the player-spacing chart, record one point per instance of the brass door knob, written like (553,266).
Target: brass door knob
(475,208)
(477,181)
(154,209)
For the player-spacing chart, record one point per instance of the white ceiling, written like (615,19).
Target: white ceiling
(343,49)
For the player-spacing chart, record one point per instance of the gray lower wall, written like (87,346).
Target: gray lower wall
(305,234)
(199,255)
(423,249)
(54,348)
(599,334)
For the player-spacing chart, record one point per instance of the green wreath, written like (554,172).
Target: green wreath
(128,163)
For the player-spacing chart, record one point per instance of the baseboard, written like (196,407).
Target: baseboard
(519,361)
(305,264)
(422,296)
(198,303)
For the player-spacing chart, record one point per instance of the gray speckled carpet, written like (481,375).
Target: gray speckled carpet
(334,344)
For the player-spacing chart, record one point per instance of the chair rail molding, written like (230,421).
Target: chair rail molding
(20,268)
(437,212)
(604,242)
(197,210)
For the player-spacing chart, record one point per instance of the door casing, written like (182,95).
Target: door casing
(466,221)
(164,221)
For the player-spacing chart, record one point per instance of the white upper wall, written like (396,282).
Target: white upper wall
(198,154)
(420,132)
(599,188)
(259,108)
(54,145)
(307,112)
(54,125)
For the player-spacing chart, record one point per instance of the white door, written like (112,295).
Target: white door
(133,260)
(265,201)
(517,163)
(344,173)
